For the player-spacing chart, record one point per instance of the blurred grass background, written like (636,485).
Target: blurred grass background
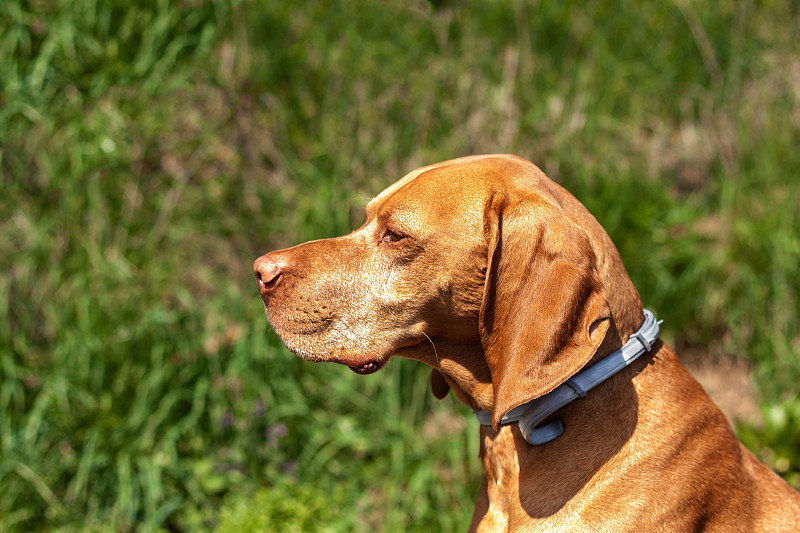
(151,150)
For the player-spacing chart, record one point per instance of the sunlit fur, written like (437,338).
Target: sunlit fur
(500,280)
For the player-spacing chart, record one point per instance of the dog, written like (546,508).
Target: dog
(501,281)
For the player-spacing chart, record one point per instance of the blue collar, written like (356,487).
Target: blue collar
(531,413)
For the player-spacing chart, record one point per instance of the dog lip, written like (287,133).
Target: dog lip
(367,368)
(370,367)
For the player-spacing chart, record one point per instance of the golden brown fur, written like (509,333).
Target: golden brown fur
(518,287)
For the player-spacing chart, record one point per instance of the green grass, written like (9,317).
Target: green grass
(149,152)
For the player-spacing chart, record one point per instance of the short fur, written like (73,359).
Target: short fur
(518,287)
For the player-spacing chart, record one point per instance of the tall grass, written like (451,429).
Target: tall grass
(149,152)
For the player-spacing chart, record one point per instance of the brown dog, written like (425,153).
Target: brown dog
(500,280)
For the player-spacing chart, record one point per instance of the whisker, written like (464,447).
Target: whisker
(436,353)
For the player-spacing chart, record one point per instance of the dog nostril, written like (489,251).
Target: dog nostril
(269,283)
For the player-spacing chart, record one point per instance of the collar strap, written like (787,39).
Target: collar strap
(528,415)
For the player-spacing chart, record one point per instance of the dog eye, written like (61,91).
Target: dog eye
(390,237)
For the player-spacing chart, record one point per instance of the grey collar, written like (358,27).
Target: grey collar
(536,410)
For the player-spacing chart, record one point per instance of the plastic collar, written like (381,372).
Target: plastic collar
(529,414)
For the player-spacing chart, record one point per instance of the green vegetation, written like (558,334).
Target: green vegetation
(151,150)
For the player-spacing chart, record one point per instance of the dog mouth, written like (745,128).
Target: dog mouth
(367,368)
(370,367)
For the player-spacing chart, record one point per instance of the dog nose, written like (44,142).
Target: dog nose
(268,271)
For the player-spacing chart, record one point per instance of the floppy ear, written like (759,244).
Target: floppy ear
(544,313)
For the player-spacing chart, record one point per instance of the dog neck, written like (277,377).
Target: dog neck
(529,415)
(597,427)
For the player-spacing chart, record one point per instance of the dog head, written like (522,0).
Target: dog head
(503,271)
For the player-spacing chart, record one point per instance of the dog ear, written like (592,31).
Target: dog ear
(439,386)
(544,313)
